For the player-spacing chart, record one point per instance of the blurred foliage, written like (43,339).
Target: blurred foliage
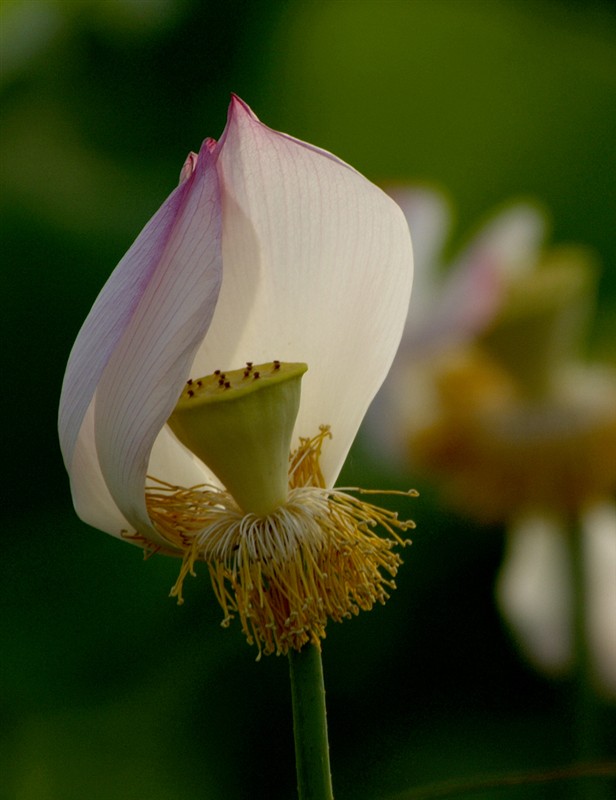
(110,690)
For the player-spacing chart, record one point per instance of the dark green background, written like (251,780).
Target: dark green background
(109,689)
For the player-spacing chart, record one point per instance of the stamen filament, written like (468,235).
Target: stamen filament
(315,557)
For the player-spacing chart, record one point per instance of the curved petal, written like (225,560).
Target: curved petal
(509,241)
(533,591)
(171,461)
(109,317)
(134,351)
(474,287)
(317,268)
(91,497)
(599,524)
(429,218)
(535,595)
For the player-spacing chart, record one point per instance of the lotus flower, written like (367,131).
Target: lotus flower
(496,407)
(452,304)
(270,250)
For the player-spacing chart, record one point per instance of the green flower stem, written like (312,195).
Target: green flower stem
(310,724)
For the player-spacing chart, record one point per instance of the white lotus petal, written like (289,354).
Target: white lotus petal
(91,497)
(533,591)
(134,352)
(317,268)
(171,461)
(475,285)
(98,339)
(428,217)
(109,317)
(150,364)
(509,241)
(599,525)
(469,300)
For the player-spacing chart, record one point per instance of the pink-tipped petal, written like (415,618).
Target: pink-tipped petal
(468,301)
(136,346)
(318,268)
(507,245)
(473,289)
(109,317)
(189,166)
(510,240)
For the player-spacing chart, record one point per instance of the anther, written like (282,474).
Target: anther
(216,372)
(191,393)
(256,376)
(276,364)
(189,381)
(227,385)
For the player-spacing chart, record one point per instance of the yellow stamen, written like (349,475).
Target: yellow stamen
(284,574)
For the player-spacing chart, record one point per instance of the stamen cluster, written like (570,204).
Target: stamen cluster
(315,557)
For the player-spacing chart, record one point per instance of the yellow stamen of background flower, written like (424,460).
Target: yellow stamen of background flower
(494,453)
(539,324)
(314,557)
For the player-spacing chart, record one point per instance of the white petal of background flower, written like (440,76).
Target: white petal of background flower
(429,219)
(473,287)
(600,530)
(447,308)
(510,240)
(533,591)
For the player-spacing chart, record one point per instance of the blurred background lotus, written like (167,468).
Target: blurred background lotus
(110,689)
